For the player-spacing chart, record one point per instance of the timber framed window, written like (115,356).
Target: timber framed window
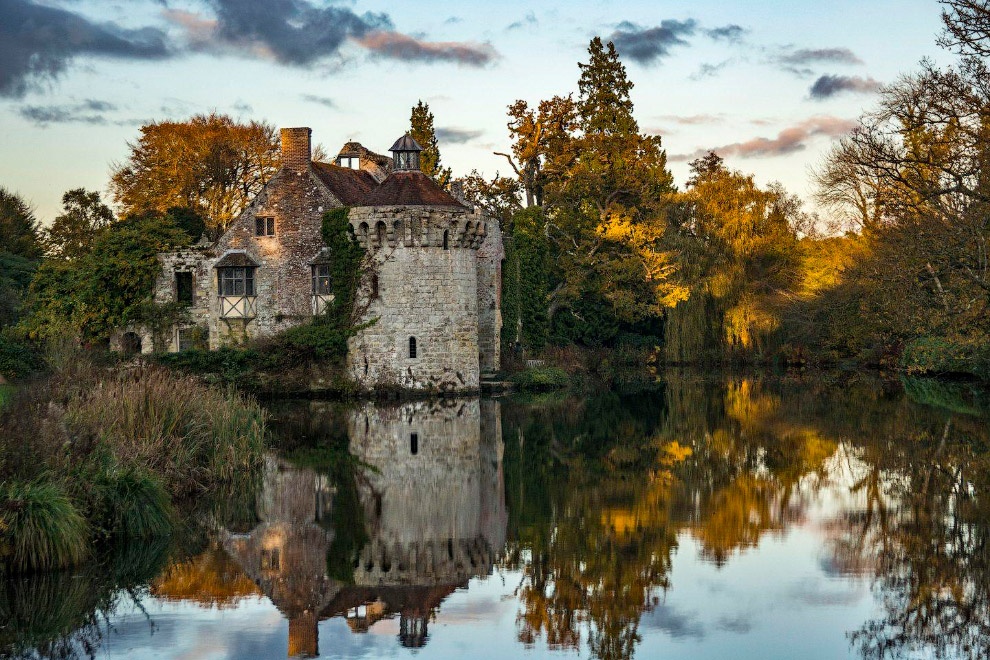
(236,281)
(350,162)
(321,280)
(264,226)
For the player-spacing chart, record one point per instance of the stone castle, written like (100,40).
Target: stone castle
(434,291)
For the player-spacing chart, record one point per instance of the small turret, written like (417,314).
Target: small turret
(405,154)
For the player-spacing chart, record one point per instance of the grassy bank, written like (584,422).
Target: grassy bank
(90,455)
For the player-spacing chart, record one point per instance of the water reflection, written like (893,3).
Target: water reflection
(422,515)
(617,525)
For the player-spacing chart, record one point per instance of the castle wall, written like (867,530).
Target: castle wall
(490,257)
(425,292)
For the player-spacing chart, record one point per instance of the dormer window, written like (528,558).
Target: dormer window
(405,154)
(350,162)
(264,226)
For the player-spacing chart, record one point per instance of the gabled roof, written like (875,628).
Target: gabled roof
(409,188)
(347,185)
(236,259)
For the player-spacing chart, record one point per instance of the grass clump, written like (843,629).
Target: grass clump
(541,379)
(40,527)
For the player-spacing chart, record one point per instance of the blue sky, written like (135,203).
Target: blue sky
(770,83)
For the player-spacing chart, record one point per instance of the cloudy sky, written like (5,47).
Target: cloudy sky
(768,83)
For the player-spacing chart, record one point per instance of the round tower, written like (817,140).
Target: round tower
(422,293)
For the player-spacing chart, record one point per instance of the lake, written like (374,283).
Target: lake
(700,517)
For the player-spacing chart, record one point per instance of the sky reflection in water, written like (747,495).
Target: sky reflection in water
(744,518)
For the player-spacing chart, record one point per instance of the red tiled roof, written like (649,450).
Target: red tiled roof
(347,185)
(409,188)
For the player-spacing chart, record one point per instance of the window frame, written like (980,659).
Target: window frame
(234,275)
(179,289)
(264,226)
(318,279)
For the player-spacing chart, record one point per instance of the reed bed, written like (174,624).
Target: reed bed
(90,454)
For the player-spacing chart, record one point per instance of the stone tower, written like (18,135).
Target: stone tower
(423,295)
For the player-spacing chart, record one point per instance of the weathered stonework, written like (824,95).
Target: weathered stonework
(426,293)
(436,263)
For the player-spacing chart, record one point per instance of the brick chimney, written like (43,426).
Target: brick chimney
(296,152)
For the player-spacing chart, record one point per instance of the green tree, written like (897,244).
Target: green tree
(422,130)
(19,232)
(84,216)
(20,253)
(105,287)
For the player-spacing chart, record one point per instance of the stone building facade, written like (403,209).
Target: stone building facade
(435,286)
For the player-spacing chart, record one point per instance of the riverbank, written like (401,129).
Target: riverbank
(91,455)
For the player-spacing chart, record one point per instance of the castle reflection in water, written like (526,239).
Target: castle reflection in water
(432,500)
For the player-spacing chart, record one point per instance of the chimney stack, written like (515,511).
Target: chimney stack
(296,151)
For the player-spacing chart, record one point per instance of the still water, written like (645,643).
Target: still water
(696,517)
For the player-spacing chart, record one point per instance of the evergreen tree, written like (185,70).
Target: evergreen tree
(19,232)
(604,104)
(422,130)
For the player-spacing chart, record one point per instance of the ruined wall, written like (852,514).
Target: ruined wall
(283,284)
(424,291)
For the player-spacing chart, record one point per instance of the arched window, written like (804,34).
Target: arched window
(446,239)
(413,443)
(380,233)
(412,347)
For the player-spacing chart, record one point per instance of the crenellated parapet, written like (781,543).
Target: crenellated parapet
(418,226)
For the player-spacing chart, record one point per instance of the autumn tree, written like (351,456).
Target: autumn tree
(542,143)
(422,130)
(211,164)
(83,217)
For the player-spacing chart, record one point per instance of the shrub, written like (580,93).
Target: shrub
(189,435)
(541,379)
(18,358)
(937,355)
(40,527)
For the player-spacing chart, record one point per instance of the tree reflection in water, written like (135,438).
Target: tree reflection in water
(601,489)
(375,512)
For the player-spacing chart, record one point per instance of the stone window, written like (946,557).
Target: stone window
(184,287)
(374,286)
(321,280)
(446,239)
(189,338)
(350,162)
(412,347)
(413,443)
(236,281)
(264,226)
